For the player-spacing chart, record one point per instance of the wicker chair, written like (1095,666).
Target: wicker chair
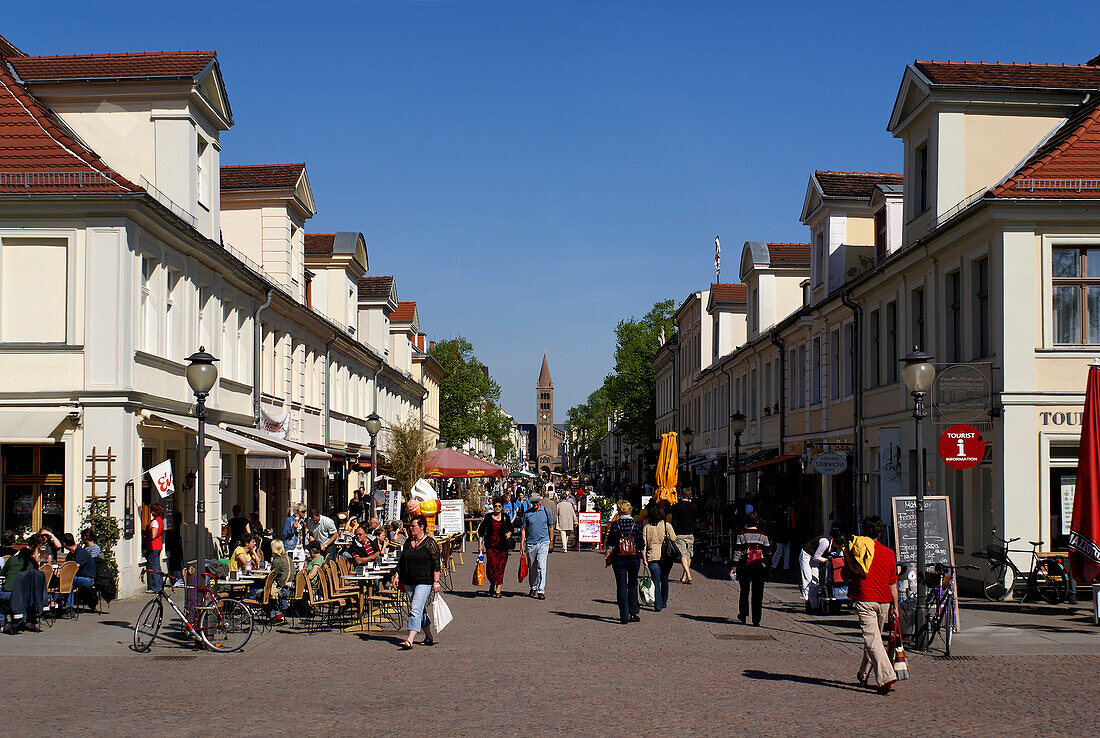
(64,590)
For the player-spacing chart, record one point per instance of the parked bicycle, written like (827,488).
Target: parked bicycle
(223,625)
(1047,579)
(939,607)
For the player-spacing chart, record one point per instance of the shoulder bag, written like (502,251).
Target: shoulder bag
(669,552)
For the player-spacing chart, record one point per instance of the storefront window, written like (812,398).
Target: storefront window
(33,488)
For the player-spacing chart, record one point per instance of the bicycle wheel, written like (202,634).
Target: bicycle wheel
(999,581)
(226,627)
(948,623)
(1049,579)
(148,624)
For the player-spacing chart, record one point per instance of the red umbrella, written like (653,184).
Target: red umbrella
(1084,532)
(449,463)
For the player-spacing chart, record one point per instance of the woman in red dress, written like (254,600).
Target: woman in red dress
(494,538)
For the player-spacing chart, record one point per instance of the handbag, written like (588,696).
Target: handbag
(669,552)
(897,652)
(440,614)
(522,566)
(479,572)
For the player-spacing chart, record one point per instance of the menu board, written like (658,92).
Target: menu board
(452,517)
(588,527)
(392,509)
(939,547)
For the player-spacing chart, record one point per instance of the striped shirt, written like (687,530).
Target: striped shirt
(750,537)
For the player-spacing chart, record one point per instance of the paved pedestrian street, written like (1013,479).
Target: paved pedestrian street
(519,666)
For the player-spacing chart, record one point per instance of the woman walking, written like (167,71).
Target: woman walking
(494,538)
(418,570)
(752,551)
(656,531)
(625,549)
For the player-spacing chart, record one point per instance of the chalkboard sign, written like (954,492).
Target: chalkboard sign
(939,547)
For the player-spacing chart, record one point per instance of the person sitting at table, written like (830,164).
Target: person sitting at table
(380,539)
(7,544)
(91,543)
(350,524)
(245,556)
(24,587)
(397,534)
(362,550)
(85,575)
(315,562)
(280,591)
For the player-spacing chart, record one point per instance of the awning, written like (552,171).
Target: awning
(257,455)
(314,459)
(30,426)
(766,462)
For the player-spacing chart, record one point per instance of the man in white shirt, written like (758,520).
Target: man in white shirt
(323,530)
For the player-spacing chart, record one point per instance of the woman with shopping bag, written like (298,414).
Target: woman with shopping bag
(494,538)
(418,570)
(625,551)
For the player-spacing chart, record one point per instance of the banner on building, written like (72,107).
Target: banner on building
(161,474)
(276,425)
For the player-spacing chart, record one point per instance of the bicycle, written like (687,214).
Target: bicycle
(939,606)
(1047,578)
(223,625)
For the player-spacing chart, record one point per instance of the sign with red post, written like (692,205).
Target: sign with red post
(962,447)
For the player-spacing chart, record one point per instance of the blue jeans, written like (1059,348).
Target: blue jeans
(660,585)
(77,583)
(152,562)
(4,597)
(418,600)
(536,563)
(626,584)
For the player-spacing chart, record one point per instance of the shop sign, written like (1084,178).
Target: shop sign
(1049,418)
(830,462)
(962,447)
(961,394)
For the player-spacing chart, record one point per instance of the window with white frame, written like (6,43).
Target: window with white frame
(802,375)
(1076,294)
(792,378)
(916,320)
(952,299)
(892,357)
(230,340)
(202,179)
(819,257)
(205,328)
(149,314)
(34,290)
(173,315)
(754,409)
(982,328)
(849,360)
(755,308)
(768,401)
(874,353)
(815,371)
(920,166)
(834,364)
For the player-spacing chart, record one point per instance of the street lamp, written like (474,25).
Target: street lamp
(917,374)
(201,376)
(373,425)
(688,435)
(737,425)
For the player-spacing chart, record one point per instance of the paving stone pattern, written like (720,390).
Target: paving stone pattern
(520,666)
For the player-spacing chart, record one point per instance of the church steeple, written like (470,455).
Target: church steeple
(544,375)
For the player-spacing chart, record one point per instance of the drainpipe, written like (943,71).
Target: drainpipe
(857,407)
(257,356)
(782,387)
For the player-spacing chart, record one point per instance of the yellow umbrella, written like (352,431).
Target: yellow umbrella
(667,473)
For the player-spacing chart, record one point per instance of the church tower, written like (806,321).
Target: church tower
(545,446)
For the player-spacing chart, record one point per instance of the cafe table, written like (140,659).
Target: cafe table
(364,582)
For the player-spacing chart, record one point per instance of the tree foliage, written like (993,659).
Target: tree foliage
(407,451)
(468,396)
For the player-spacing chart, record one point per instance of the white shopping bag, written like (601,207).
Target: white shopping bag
(646,591)
(440,614)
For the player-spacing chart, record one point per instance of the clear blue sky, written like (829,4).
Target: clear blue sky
(534,172)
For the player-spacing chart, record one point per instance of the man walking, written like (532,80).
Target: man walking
(536,541)
(566,520)
(875,597)
(684,516)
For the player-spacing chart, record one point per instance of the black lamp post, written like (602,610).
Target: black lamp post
(201,376)
(917,373)
(737,425)
(688,435)
(373,426)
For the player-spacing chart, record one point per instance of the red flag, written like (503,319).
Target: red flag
(1084,532)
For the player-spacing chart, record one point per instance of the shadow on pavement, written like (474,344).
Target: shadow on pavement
(706,618)
(816,681)
(585,616)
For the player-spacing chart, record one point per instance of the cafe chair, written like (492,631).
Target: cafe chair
(261,610)
(47,571)
(64,589)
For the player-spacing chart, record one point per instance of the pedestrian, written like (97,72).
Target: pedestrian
(684,517)
(235,528)
(876,600)
(156,545)
(655,532)
(625,549)
(781,537)
(751,554)
(566,520)
(494,538)
(536,541)
(811,559)
(418,571)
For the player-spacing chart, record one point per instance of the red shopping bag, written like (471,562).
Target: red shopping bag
(522,567)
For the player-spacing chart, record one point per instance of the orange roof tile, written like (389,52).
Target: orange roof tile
(153,64)
(789,254)
(319,243)
(734,292)
(1002,74)
(1067,165)
(261,176)
(375,288)
(854,185)
(404,313)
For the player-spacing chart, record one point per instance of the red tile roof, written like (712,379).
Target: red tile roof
(319,243)
(153,64)
(1000,74)
(38,155)
(1066,166)
(261,176)
(404,313)
(728,292)
(8,49)
(853,185)
(375,288)
(789,254)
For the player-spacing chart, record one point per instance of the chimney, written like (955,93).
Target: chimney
(431,345)
(420,338)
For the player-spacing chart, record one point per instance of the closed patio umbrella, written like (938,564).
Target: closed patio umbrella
(667,472)
(1084,532)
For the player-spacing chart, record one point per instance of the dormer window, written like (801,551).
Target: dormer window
(202,178)
(880,232)
(921,165)
(819,258)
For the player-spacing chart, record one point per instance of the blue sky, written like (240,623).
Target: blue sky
(534,172)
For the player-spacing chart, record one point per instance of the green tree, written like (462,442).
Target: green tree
(407,452)
(632,386)
(467,393)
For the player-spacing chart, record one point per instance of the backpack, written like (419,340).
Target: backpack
(626,546)
(754,554)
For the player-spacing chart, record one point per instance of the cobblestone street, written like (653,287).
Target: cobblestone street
(519,666)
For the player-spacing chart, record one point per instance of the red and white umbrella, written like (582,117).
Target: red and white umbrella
(1084,532)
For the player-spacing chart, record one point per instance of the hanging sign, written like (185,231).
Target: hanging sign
(830,462)
(962,447)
